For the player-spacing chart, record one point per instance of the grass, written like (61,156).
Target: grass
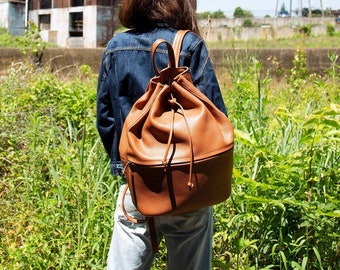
(311,42)
(324,41)
(57,196)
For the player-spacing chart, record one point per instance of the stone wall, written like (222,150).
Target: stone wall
(219,30)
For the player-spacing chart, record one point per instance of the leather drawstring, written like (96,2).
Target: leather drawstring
(173,101)
(150,220)
(130,218)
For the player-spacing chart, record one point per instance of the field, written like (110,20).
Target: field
(298,40)
(57,196)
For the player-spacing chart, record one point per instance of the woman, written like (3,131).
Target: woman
(124,74)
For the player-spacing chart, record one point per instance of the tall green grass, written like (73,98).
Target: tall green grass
(57,196)
(284,212)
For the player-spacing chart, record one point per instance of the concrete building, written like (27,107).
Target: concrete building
(13,16)
(74,23)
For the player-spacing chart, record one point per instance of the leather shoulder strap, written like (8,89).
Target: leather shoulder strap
(171,56)
(177,44)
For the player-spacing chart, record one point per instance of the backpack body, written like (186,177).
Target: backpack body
(176,145)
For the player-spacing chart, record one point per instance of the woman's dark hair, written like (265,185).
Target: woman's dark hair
(142,14)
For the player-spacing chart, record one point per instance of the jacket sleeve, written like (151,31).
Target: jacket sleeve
(106,122)
(204,77)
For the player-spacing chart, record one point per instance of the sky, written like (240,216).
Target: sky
(260,8)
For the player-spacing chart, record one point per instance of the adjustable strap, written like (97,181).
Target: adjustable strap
(130,218)
(150,220)
(153,234)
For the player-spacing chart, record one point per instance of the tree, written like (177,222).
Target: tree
(241,13)
(212,15)
(283,11)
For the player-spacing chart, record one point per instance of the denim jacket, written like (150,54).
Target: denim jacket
(126,70)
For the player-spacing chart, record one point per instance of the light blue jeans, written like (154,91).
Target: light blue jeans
(188,239)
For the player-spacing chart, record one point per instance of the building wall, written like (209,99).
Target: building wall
(105,25)
(97,26)
(221,30)
(4,7)
(97,21)
(13,16)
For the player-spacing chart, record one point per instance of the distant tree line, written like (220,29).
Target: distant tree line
(242,13)
(219,14)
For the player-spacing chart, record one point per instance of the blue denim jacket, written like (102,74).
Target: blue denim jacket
(125,72)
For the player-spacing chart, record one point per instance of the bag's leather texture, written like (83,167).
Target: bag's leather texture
(176,146)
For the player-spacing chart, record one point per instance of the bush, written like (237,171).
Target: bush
(7,40)
(56,191)
(306,30)
(247,23)
(284,211)
(212,15)
(57,195)
(241,13)
(330,30)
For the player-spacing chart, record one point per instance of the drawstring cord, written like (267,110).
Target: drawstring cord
(165,162)
(173,102)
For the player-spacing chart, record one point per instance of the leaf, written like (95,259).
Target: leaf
(296,266)
(335,107)
(312,121)
(304,263)
(331,123)
(317,254)
(333,214)
(284,259)
(243,138)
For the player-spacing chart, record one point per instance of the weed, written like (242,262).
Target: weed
(57,196)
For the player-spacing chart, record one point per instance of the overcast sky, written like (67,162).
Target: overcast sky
(259,7)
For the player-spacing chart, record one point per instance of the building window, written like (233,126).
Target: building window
(45,22)
(45,4)
(76,24)
(77,3)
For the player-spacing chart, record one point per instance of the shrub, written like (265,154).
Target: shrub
(247,23)
(330,30)
(241,13)
(57,196)
(306,30)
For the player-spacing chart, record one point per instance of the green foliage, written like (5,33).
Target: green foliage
(330,30)
(284,210)
(321,41)
(283,8)
(57,196)
(306,30)
(56,192)
(241,13)
(7,40)
(298,73)
(219,14)
(32,42)
(314,12)
(247,23)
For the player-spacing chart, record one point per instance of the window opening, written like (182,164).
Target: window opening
(45,4)
(45,22)
(76,24)
(77,3)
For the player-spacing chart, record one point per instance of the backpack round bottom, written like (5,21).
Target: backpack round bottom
(159,190)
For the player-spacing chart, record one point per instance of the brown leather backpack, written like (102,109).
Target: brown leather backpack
(176,146)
